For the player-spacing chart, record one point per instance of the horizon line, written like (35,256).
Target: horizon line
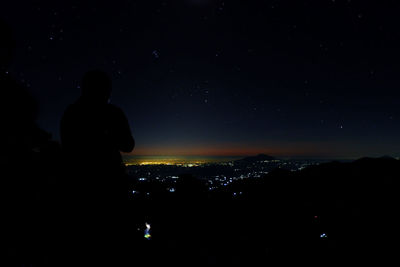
(250,155)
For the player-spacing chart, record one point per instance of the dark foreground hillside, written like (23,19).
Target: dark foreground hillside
(322,214)
(328,213)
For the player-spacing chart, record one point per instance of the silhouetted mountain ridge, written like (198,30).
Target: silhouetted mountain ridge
(375,160)
(257,158)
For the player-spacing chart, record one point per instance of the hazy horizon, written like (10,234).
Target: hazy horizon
(185,159)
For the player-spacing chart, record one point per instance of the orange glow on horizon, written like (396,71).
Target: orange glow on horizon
(302,149)
(200,152)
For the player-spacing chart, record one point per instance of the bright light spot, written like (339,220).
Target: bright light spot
(147,234)
(323,235)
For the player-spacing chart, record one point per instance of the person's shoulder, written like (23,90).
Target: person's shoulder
(10,86)
(71,110)
(5,78)
(114,109)
(116,113)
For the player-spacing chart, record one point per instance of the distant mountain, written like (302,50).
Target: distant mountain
(259,157)
(374,160)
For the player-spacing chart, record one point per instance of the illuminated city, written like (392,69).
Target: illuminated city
(216,172)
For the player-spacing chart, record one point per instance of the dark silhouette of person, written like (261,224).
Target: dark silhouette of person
(23,165)
(93,135)
(94,131)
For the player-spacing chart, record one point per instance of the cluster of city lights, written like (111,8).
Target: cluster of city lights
(147,234)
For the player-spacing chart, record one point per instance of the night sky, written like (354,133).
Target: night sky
(203,77)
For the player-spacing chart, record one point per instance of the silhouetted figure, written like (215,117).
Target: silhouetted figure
(23,165)
(93,133)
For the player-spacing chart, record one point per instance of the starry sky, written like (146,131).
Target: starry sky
(211,77)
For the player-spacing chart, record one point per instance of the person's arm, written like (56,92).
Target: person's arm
(123,136)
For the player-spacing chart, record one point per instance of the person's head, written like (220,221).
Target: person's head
(7,45)
(96,86)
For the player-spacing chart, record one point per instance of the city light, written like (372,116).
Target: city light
(323,236)
(147,234)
